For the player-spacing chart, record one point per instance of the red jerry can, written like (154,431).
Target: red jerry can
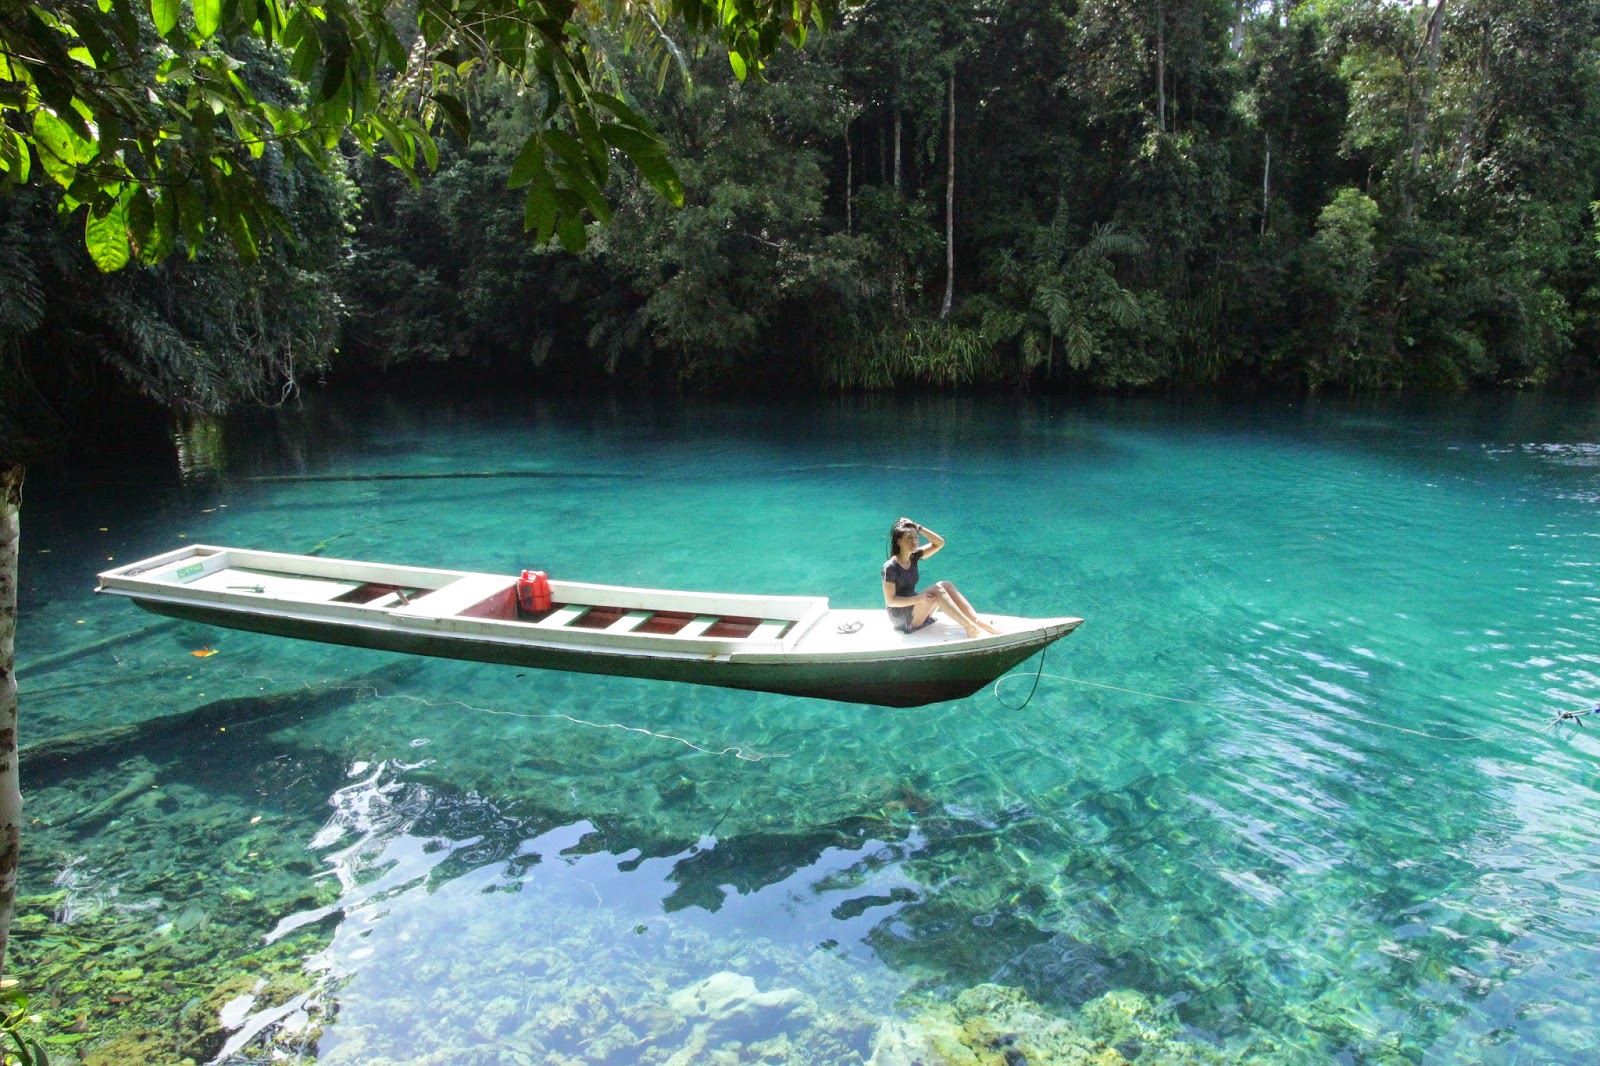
(533,592)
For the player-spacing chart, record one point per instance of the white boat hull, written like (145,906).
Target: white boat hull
(793,645)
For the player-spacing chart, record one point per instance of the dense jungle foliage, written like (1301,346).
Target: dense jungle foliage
(1057,194)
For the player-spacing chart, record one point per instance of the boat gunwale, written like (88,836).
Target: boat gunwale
(801,612)
(786,607)
(457,626)
(520,634)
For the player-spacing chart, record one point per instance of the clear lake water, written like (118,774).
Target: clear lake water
(1294,781)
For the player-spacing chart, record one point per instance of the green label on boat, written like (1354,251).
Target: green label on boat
(192,570)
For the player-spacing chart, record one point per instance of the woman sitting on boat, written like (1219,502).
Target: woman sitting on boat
(909,609)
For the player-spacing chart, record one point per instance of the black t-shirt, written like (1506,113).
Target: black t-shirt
(904,578)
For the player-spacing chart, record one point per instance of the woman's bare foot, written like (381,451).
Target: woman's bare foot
(989,627)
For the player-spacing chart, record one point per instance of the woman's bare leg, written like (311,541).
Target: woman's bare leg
(953,609)
(961,602)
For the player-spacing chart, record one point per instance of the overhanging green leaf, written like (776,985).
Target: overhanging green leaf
(455,114)
(570,229)
(539,210)
(207,17)
(105,234)
(165,15)
(529,162)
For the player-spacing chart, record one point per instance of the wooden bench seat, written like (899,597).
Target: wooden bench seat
(457,596)
(563,616)
(629,622)
(769,629)
(698,626)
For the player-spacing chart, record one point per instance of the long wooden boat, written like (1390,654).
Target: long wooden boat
(796,645)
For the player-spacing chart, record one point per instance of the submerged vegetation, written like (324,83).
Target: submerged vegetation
(1084,195)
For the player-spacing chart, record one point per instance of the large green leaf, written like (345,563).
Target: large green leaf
(648,154)
(58,151)
(593,198)
(15,159)
(662,176)
(529,162)
(455,114)
(165,15)
(628,115)
(568,148)
(207,17)
(106,236)
(539,211)
(570,229)
(163,228)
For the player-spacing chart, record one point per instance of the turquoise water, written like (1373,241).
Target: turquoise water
(1290,782)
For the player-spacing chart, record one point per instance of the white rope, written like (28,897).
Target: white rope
(1215,706)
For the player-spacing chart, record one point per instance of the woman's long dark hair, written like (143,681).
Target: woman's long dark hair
(896,531)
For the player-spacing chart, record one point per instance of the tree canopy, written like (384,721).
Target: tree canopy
(1194,193)
(148,115)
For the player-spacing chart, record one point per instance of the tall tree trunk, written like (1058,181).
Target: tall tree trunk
(950,204)
(10,790)
(1431,44)
(883,159)
(1266,185)
(897,131)
(1469,124)
(1161,67)
(849,180)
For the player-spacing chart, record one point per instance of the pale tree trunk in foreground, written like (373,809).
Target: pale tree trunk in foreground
(950,205)
(10,790)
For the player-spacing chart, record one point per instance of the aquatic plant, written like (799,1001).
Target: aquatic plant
(21,1048)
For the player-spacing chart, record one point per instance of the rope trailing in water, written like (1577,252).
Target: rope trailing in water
(1563,716)
(1036,676)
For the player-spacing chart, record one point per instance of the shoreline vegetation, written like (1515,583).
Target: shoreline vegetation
(1077,198)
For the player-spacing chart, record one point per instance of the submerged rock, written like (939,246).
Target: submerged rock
(136,1047)
(204,1025)
(728,996)
(993,1025)
(726,1009)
